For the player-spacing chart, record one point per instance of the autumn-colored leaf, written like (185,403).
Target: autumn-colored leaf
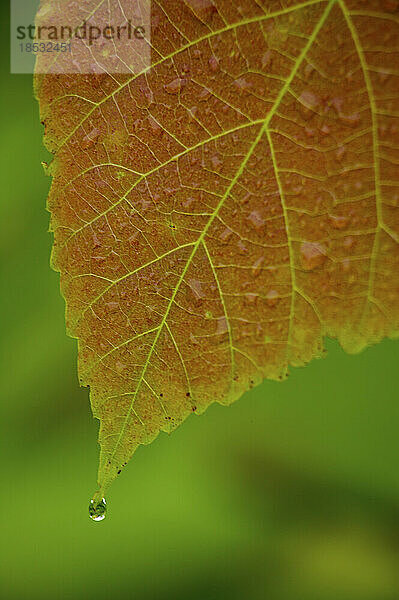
(219,212)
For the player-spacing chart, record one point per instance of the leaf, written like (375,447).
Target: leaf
(218,213)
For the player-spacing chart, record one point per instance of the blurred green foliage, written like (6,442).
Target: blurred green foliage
(290,494)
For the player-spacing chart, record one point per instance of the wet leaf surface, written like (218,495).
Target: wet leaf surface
(219,213)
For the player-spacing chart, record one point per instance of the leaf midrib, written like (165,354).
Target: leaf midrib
(233,182)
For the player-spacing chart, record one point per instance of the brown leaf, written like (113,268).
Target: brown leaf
(218,213)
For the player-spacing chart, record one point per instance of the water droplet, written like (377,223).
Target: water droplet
(90,138)
(267,59)
(349,242)
(340,153)
(147,93)
(175,86)
(221,326)
(155,127)
(257,220)
(203,9)
(136,126)
(358,185)
(193,339)
(197,288)
(272,298)
(192,112)
(204,95)
(225,235)
(257,266)
(350,120)
(213,63)
(216,163)
(309,132)
(308,71)
(313,255)
(111,307)
(346,265)
(250,299)
(243,85)
(309,103)
(383,76)
(97,510)
(338,221)
(242,247)
(96,241)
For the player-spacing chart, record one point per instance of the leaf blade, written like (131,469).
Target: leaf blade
(130,416)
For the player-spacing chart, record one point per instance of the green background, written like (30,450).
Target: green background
(291,494)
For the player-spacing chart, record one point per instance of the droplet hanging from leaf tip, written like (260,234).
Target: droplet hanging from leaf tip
(97,509)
